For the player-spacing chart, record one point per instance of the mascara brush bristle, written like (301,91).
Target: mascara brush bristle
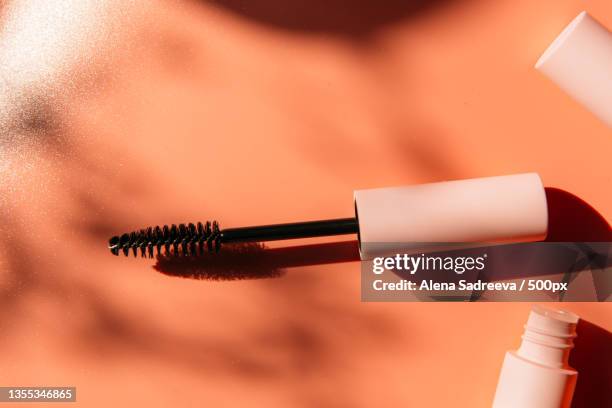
(182,240)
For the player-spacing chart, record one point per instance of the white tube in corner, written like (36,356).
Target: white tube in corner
(538,375)
(579,61)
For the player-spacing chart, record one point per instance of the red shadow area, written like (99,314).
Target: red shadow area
(570,219)
(592,357)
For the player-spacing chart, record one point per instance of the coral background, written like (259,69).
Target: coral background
(117,115)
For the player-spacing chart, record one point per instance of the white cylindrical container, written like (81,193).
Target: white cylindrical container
(538,375)
(484,210)
(579,61)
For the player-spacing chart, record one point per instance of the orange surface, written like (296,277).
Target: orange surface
(116,116)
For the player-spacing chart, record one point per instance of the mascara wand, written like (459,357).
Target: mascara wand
(387,220)
(194,239)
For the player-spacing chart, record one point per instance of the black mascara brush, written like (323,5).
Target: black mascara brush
(387,220)
(195,239)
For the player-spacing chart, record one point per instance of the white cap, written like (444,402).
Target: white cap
(484,210)
(579,61)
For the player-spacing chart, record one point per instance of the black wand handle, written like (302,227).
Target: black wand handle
(293,230)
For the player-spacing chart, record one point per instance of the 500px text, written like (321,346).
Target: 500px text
(425,285)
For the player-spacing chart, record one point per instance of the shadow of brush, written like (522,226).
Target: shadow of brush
(233,262)
(592,358)
(255,261)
